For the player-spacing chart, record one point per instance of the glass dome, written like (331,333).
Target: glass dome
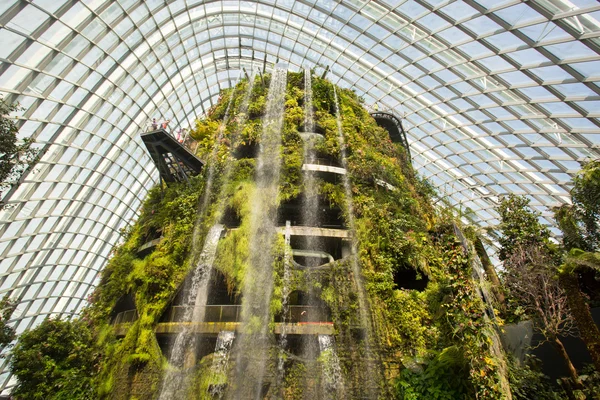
(496,97)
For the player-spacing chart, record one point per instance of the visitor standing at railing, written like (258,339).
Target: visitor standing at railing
(154,124)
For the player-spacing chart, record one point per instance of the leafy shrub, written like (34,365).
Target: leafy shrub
(54,361)
(528,382)
(444,377)
(7,333)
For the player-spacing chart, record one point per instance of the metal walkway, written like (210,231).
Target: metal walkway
(174,162)
(393,125)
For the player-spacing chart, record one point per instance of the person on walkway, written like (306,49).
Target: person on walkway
(154,124)
(184,135)
(165,123)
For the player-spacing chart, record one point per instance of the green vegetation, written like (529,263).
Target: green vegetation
(444,377)
(435,343)
(7,332)
(543,280)
(531,262)
(55,361)
(580,223)
(15,155)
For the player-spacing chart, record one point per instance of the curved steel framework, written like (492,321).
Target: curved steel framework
(393,125)
(496,96)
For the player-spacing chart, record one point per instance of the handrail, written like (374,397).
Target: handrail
(390,115)
(232,313)
(186,141)
(324,161)
(125,317)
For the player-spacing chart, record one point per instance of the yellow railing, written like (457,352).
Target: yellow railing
(232,313)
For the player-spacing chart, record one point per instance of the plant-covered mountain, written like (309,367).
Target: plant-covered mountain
(307,260)
(310,239)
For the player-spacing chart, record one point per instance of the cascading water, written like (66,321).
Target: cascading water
(252,348)
(310,203)
(285,306)
(332,380)
(175,380)
(494,331)
(309,115)
(372,371)
(221,361)
(210,176)
(242,114)
(310,217)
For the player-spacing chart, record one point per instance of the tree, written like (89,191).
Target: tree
(55,361)
(520,227)
(530,280)
(586,201)
(7,333)
(579,223)
(15,157)
(578,260)
(530,262)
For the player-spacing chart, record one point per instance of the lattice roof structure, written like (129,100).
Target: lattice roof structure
(496,97)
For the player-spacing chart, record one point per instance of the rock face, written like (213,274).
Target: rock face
(318,230)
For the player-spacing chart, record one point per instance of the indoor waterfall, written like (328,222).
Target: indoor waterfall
(176,379)
(332,385)
(252,348)
(220,362)
(310,215)
(183,358)
(369,358)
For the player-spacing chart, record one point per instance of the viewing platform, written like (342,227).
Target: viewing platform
(296,230)
(174,161)
(301,320)
(393,125)
(323,168)
(148,247)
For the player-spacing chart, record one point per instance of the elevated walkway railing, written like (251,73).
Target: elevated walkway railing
(125,317)
(232,313)
(393,124)
(299,230)
(323,168)
(148,246)
(326,161)
(174,161)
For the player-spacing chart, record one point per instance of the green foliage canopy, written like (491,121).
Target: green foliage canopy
(7,333)
(580,222)
(15,156)
(520,227)
(55,361)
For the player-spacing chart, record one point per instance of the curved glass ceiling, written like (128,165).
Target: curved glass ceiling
(497,96)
